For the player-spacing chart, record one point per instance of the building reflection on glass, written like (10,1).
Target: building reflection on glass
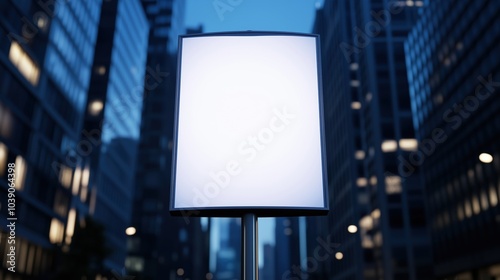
(87,93)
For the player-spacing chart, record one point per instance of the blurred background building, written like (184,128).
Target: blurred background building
(46,57)
(113,119)
(377,213)
(162,247)
(454,74)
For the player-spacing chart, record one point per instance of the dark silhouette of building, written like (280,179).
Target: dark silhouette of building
(454,72)
(228,254)
(267,270)
(113,117)
(286,247)
(163,247)
(377,219)
(46,52)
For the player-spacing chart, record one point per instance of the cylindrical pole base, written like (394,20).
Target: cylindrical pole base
(249,256)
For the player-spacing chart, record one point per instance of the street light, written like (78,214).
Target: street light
(352,229)
(485,158)
(130,231)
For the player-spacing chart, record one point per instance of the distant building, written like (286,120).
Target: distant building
(46,53)
(228,252)
(377,225)
(454,73)
(267,270)
(112,120)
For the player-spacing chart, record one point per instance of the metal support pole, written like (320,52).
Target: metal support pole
(249,256)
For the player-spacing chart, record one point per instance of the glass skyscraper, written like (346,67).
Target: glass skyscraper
(377,219)
(112,120)
(164,247)
(454,74)
(46,53)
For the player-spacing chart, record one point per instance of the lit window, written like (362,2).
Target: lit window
(65,176)
(359,155)
(3,158)
(356,105)
(493,197)
(76,181)
(484,201)
(392,184)
(20,172)
(373,180)
(355,83)
(354,66)
(339,255)
(485,158)
(409,3)
(24,63)
(366,222)
(56,231)
(70,225)
(367,242)
(361,182)
(368,96)
(389,146)
(375,213)
(408,144)
(419,3)
(475,205)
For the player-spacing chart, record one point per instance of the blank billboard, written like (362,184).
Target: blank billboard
(249,134)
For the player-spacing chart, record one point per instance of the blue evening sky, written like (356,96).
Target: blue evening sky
(258,15)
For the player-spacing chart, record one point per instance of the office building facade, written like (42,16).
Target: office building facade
(377,219)
(163,247)
(112,120)
(45,65)
(454,74)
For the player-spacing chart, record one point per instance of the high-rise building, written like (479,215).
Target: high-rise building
(286,248)
(46,52)
(112,119)
(228,250)
(266,272)
(377,219)
(454,73)
(163,247)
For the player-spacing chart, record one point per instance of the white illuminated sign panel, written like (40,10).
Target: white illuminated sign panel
(249,127)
